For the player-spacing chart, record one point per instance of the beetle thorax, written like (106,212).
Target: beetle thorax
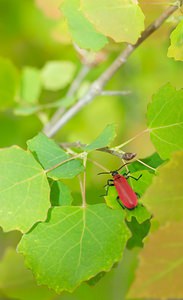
(116,175)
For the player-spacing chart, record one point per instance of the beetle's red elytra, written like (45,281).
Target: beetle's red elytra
(126,196)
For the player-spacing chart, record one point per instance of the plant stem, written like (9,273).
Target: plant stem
(132,139)
(84,183)
(63,162)
(98,165)
(143,163)
(97,86)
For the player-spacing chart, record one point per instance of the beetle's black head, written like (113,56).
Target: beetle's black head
(113,173)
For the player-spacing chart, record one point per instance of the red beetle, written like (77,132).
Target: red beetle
(126,195)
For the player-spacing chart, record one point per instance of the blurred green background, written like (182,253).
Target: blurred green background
(32,33)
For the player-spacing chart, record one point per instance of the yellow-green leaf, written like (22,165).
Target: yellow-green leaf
(159,275)
(57,74)
(83,32)
(122,20)
(176,48)
(30,88)
(164,198)
(165,120)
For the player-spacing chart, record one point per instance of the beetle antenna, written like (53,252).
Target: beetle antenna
(104,173)
(122,166)
(114,170)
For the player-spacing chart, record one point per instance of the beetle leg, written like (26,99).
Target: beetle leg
(126,174)
(138,196)
(120,203)
(129,176)
(109,183)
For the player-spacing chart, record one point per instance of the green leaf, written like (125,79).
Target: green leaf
(153,161)
(8,83)
(85,241)
(111,198)
(65,102)
(176,48)
(57,74)
(26,111)
(122,20)
(104,139)
(49,154)
(24,190)
(60,194)
(164,198)
(20,284)
(139,232)
(140,213)
(29,110)
(94,280)
(30,88)
(83,32)
(165,120)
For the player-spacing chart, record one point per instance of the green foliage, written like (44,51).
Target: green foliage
(176,48)
(49,154)
(104,139)
(80,249)
(140,213)
(83,32)
(60,194)
(111,198)
(26,111)
(67,243)
(56,75)
(121,20)
(24,196)
(165,120)
(8,83)
(31,86)
(139,232)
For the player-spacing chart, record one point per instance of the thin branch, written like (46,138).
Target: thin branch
(78,80)
(115,93)
(71,92)
(97,86)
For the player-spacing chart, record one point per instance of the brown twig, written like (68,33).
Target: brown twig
(119,153)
